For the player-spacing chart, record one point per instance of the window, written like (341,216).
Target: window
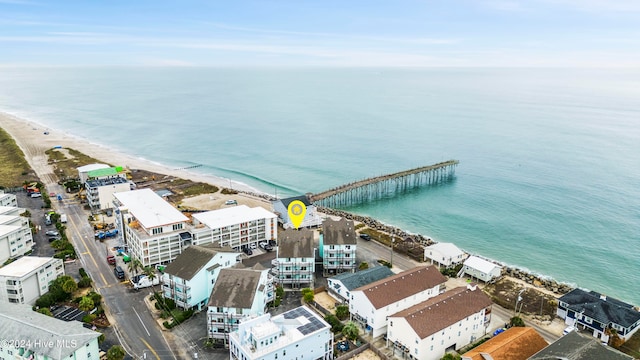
(156,231)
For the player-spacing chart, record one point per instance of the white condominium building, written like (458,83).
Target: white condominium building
(26,279)
(15,233)
(154,231)
(236,227)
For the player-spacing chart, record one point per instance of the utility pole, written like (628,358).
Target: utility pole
(392,241)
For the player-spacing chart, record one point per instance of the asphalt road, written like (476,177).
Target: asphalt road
(134,325)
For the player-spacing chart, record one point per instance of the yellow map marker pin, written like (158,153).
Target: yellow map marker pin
(296,212)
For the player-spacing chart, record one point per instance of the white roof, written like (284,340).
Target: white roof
(24,265)
(9,209)
(92,167)
(149,208)
(480,264)
(8,229)
(448,250)
(4,219)
(232,216)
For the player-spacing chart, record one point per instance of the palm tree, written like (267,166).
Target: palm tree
(69,286)
(151,273)
(86,304)
(134,266)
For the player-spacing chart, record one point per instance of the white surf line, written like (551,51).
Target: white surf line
(139,318)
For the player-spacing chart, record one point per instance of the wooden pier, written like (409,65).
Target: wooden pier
(385,185)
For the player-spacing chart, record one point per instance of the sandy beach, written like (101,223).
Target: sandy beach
(33,141)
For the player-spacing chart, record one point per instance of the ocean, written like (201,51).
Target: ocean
(549,173)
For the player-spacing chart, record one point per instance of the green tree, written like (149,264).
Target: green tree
(351,331)
(307,295)
(70,286)
(116,352)
(342,311)
(86,304)
(517,321)
(450,356)
(134,266)
(45,311)
(151,273)
(363,265)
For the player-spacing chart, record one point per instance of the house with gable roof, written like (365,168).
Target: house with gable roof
(481,269)
(370,305)
(599,314)
(188,280)
(294,264)
(516,343)
(448,321)
(576,346)
(311,216)
(338,248)
(444,254)
(39,336)
(340,286)
(239,293)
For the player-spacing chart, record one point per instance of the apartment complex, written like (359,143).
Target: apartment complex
(26,279)
(101,184)
(339,243)
(238,227)
(154,231)
(370,305)
(8,199)
(189,279)
(448,321)
(294,264)
(38,336)
(15,233)
(239,293)
(296,334)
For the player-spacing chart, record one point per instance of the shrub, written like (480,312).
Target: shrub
(84,283)
(45,301)
(88,318)
(336,325)
(82,272)
(342,312)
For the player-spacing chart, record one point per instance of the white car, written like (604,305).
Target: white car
(568,329)
(36,195)
(52,233)
(231,202)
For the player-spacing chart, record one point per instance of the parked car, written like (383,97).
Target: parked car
(231,202)
(265,245)
(247,251)
(52,233)
(568,329)
(35,195)
(365,237)
(118,272)
(111,259)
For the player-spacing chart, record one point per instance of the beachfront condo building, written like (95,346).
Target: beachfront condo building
(83,171)
(15,233)
(239,293)
(449,321)
(153,231)
(27,334)
(311,216)
(102,183)
(338,246)
(189,279)
(237,227)
(370,305)
(26,279)
(8,199)
(294,264)
(296,334)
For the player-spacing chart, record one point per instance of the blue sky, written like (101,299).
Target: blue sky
(557,33)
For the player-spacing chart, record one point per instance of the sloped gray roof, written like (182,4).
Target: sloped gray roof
(235,288)
(338,232)
(303,198)
(606,311)
(361,278)
(18,321)
(295,244)
(575,346)
(193,259)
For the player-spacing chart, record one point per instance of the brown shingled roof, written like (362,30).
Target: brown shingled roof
(397,287)
(338,232)
(193,259)
(444,310)
(517,343)
(295,244)
(235,288)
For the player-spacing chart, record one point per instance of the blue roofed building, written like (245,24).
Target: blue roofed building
(340,286)
(598,314)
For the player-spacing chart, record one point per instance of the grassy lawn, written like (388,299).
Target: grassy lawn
(66,161)
(14,169)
